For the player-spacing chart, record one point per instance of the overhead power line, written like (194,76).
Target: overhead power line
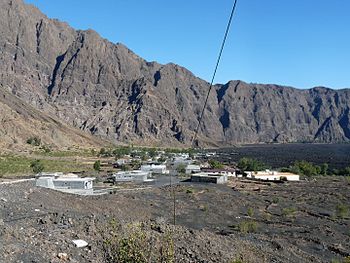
(216,68)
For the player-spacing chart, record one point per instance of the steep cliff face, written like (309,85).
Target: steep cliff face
(270,113)
(105,89)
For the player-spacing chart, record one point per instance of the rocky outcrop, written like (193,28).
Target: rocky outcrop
(105,89)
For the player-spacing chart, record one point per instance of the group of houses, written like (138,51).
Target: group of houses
(198,172)
(141,175)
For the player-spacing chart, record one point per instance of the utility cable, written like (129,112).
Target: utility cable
(216,68)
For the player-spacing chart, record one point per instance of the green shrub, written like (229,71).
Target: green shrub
(306,168)
(189,191)
(121,151)
(324,169)
(342,172)
(250,212)
(105,152)
(46,148)
(37,166)
(134,243)
(215,164)
(342,211)
(181,169)
(248,226)
(97,166)
(34,141)
(289,211)
(275,200)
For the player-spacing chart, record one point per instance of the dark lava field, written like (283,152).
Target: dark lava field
(283,155)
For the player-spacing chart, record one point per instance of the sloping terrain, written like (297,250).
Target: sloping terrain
(252,221)
(105,89)
(20,121)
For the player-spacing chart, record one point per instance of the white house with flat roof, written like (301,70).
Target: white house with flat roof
(155,168)
(228,172)
(209,178)
(70,183)
(131,176)
(192,168)
(274,176)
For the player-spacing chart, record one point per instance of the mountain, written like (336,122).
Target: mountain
(105,89)
(20,121)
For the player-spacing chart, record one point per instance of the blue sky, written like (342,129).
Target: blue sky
(301,43)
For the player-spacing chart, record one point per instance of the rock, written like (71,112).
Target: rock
(63,256)
(80,243)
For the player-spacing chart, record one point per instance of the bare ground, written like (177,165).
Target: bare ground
(293,222)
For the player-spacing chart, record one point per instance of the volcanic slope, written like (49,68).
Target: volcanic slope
(20,121)
(105,89)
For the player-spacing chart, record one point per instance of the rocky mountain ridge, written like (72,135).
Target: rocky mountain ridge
(107,90)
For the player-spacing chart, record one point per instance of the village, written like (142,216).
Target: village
(139,169)
(177,199)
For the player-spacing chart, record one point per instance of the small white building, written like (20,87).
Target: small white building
(131,176)
(209,178)
(192,168)
(228,172)
(155,168)
(70,183)
(274,176)
(122,161)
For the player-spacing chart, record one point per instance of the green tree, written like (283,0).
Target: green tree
(152,152)
(121,152)
(37,166)
(249,164)
(306,168)
(181,168)
(191,153)
(97,166)
(324,169)
(343,172)
(215,164)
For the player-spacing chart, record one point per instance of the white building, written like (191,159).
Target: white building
(227,172)
(274,176)
(131,176)
(209,178)
(192,168)
(155,168)
(122,161)
(70,183)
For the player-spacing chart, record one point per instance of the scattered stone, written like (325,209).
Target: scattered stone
(80,243)
(63,256)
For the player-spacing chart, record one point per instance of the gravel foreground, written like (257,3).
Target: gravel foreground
(250,221)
